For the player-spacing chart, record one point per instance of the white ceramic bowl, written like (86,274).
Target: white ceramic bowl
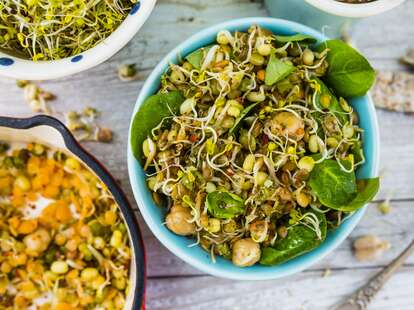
(355,10)
(14,67)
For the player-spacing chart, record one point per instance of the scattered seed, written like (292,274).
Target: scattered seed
(408,58)
(327,273)
(21,83)
(127,72)
(369,247)
(104,135)
(394,91)
(84,127)
(36,97)
(385,206)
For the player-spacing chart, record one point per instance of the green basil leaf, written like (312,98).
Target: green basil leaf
(367,189)
(224,205)
(196,58)
(299,37)
(349,73)
(334,106)
(299,240)
(242,115)
(277,70)
(149,115)
(333,186)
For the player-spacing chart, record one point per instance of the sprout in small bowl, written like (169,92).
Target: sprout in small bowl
(88,33)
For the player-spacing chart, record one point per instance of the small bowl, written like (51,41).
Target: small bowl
(24,69)
(51,132)
(330,16)
(197,257)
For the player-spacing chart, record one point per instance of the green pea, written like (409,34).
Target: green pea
(97,228)
(50,255)
(3,147)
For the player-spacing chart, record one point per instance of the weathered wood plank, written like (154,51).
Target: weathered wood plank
(305,291)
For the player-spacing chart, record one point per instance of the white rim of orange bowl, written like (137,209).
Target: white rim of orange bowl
(46,70)
(353,10)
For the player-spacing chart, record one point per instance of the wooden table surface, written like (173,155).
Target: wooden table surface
(172,284)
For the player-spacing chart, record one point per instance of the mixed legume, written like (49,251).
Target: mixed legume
(235,159)
(63,242)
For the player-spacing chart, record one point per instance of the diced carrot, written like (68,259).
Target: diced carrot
(33,165)
(47,217)
(261,75)
(32,196)
(17,201)
(27,226)
(51,191)
(37,182)
(63,213)
(14,222)
(64,306)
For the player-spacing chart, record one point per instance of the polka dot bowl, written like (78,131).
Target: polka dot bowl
(18,68)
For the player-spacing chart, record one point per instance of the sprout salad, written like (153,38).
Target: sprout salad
(63,242)
(252,147)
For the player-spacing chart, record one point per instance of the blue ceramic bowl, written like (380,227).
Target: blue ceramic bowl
(197,257)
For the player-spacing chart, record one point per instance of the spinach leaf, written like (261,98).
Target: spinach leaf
(196,58)
(299,37)
(366,191)
(224,205)
(242,115)
(299,240)
(149,115)
(349,73)
(277,70)
(357,151)
(333,186)
(334,106)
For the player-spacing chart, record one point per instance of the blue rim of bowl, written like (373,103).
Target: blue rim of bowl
(272,272)
(74,147)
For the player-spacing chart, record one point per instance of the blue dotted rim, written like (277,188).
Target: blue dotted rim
(6,61)
(76,58)
(135,8)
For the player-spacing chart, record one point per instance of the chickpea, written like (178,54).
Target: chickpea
(303,199)
(287,123)
(308,57)
(178,221)
(282,232)
(307,163)
(264,49)
(257,59)
(37,242)
(258,230)
(246,252)
(249,163)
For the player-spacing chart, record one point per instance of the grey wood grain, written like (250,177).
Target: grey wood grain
(305,291)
